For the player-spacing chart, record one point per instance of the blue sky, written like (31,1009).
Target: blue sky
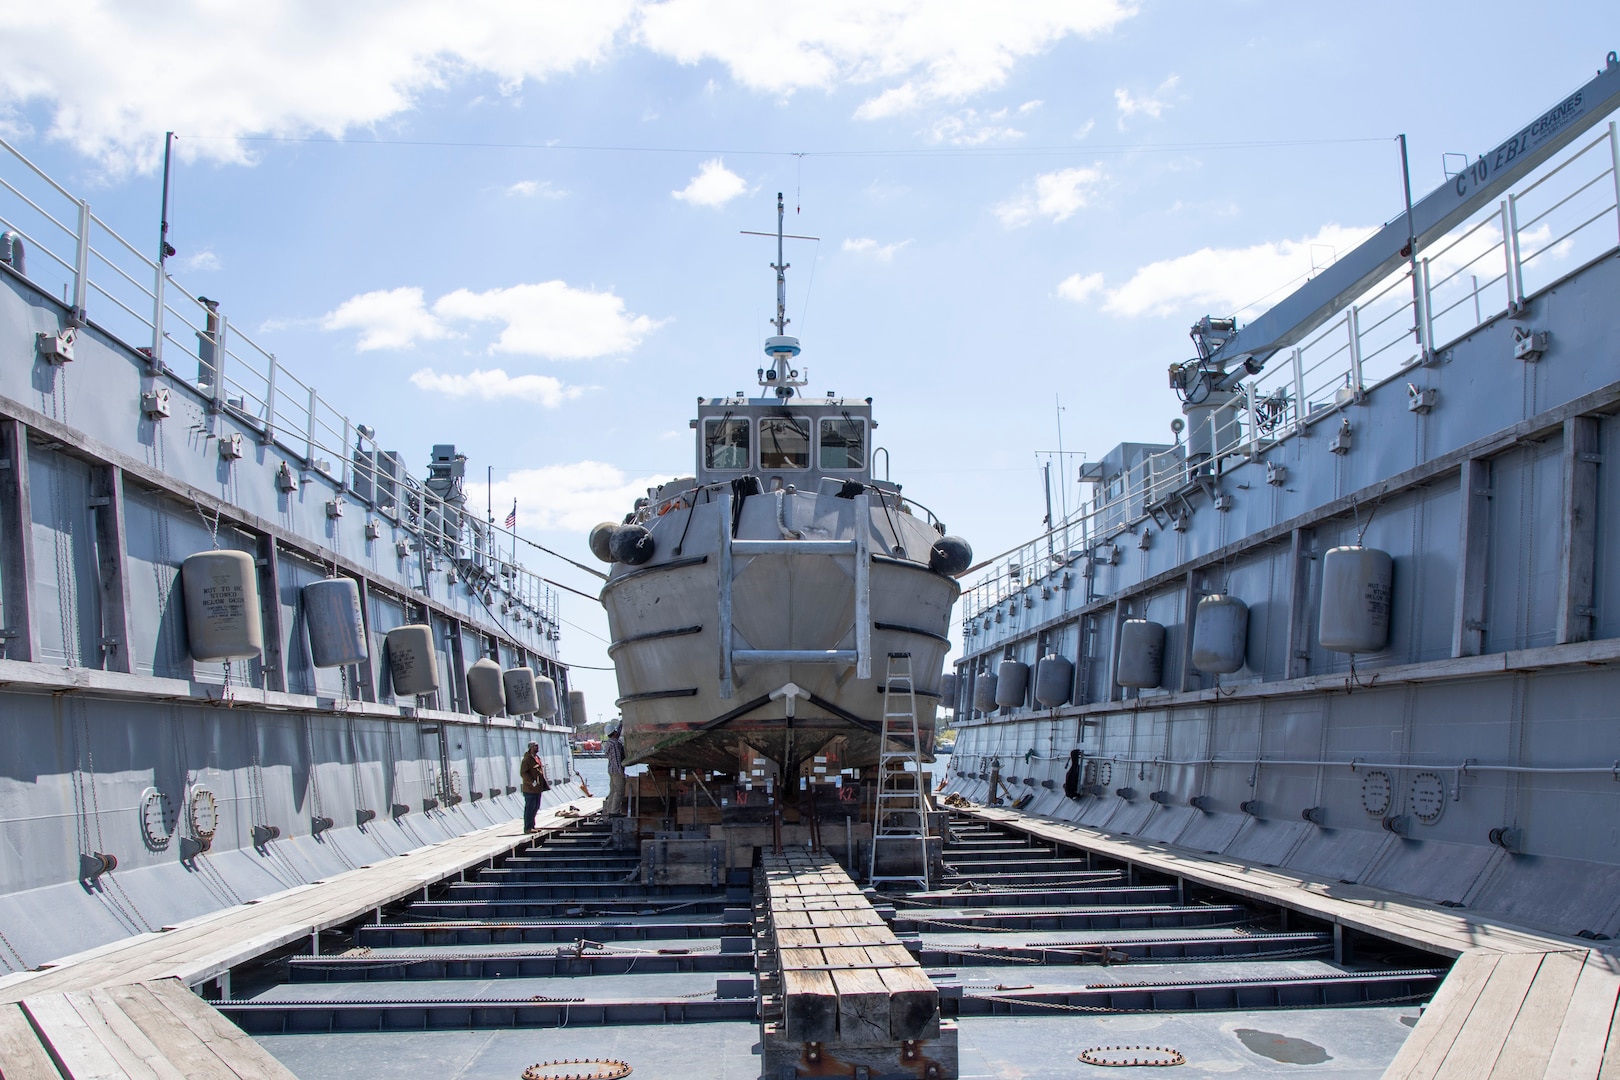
(515,226)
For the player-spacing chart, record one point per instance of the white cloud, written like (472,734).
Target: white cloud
(572,497)
(926,50)
(535,189)
(865,245)
(550,319)
(1230,281)
(1054,195)
(201,261)
(714,185)
(386,319)
(1080,287)
(1152,105)
(224,71)
(303,68)
(970,127)
(496,385)
(1031,106)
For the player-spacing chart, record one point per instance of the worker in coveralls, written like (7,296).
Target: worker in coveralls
(614,806)
(535,784)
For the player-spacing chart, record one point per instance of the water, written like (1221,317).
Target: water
(594,772)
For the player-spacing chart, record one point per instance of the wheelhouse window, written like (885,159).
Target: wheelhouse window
(784,442)
(843,444)
(725,444)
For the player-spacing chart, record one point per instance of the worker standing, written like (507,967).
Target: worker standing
(614,807)
(535,784)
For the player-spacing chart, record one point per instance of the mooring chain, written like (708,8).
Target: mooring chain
(610,1069)
(1168,1056)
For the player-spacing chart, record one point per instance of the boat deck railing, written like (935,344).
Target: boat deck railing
(1563,216)
(55,241)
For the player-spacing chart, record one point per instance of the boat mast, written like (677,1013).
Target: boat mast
(780,266)
(781,377)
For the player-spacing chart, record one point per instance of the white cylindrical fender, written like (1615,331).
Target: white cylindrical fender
(1141,654)
(413,665)
(337,628)
(1220,634)
(522,696)
(546,693)
(1012,683)
(1054,680)
(223,621)
(1356,589)
(485,691)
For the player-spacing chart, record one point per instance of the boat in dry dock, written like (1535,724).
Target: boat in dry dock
(1291,755)
(755,605)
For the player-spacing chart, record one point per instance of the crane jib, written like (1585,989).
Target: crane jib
(1432,217)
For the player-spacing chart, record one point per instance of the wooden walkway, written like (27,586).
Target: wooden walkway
(155,1030)
(1518,1004)
(850,993)
(124,1009)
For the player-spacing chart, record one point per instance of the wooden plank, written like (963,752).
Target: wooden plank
(231,1044)
(1611,1054)
(1578,1052)
(913,998)
(75,1048)
(132,1041)
(22,1057)
(863,1008)
(809,999)
(882,997)
(1530,1043)
(1437,1028)
(179,1045)
(1479,1044)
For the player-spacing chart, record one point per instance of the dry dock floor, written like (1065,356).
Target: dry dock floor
(1517,1004)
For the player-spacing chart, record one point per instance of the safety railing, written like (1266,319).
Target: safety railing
(105,280)
(1565,215)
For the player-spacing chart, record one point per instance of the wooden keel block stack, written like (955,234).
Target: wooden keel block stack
(850,993)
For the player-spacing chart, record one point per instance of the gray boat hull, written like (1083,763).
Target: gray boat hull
(666,620)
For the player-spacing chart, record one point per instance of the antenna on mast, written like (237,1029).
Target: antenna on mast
(780,266)
(781,377)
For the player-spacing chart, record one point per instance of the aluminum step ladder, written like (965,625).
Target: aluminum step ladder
(900,814)
(859,548)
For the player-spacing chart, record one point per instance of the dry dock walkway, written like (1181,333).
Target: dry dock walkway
(124,1009)
(1517,1005)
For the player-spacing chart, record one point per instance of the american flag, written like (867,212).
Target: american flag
(511,519)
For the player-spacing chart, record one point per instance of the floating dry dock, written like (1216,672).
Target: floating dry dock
(1042,942)
(1304,726)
